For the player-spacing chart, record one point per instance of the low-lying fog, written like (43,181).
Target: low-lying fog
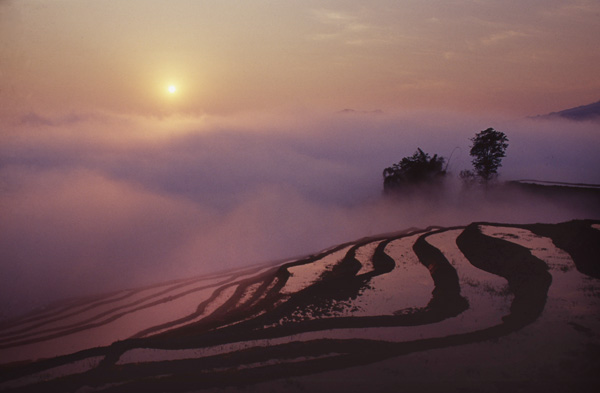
(96,202)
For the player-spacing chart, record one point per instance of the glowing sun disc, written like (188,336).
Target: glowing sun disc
(172,89)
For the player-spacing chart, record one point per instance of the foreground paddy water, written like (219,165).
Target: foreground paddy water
(376,299)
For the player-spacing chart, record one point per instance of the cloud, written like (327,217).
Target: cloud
(330,16)
(72,231)
(35,119)
(351,29)
(501,36)
(106,203)
(572,9)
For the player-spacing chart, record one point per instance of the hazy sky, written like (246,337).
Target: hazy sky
(520,57)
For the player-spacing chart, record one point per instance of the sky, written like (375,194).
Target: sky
(109,181)
(514,57)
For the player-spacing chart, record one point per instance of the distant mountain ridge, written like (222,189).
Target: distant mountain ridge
(579,113)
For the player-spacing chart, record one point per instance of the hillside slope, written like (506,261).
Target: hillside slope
(580,113)
(485,307)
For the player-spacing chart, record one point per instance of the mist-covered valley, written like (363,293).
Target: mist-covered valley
(97,202)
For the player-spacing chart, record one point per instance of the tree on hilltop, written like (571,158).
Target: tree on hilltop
(488,149)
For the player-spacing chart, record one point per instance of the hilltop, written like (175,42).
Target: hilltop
(580,113)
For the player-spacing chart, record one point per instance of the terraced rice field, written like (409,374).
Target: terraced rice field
(346,308)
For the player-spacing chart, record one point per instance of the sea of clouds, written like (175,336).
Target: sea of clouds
(99,202)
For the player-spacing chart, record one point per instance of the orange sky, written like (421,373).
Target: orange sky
(516,57)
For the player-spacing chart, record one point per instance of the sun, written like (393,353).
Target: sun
(172,89)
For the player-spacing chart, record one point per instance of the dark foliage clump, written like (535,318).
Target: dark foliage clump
(418,169)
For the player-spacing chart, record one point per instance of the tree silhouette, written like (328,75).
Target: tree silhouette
(488,149)
(417,169)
